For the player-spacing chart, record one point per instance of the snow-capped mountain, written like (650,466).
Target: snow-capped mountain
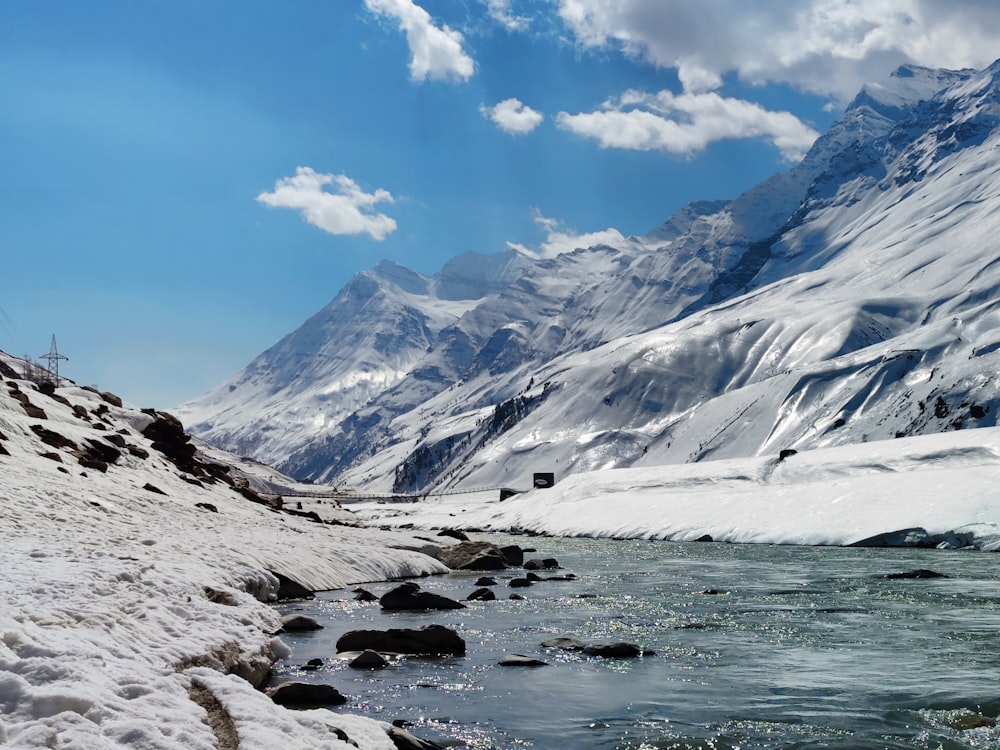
(852,298)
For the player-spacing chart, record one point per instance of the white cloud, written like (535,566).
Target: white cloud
(345,211)
(562,239)
(499,11)
(512,116)
(435,52)
(686,123)
(829,47)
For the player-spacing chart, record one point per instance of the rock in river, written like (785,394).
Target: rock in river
(429,640)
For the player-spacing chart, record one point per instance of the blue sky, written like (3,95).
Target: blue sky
(184,183)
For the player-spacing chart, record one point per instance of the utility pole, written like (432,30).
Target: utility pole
(53,358)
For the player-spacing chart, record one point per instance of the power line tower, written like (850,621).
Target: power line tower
(53,358)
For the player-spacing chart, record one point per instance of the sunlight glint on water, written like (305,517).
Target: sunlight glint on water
(756,647)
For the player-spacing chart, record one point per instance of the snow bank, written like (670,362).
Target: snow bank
(940,483)
(123,609)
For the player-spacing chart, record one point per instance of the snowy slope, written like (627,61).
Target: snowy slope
(933,490)
(850,299)
(126,611)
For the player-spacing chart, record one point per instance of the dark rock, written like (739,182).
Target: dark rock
(92,463)
(512,555)
(705,538)
(293,623)
(408,596)
(564,643)
(520,660)
(363,595)
(111,399)
(454,534)
(403,740)
(52,457)
(81,411)
(616,650)
(786,453)
(305,695)
(533,577)
(207,506)
(317,662)
(138,452)
(536,564)
(472,556)
(912,537)
(428,640)
(52,438)
(116,440)
(516,598)
(713,592)
(483,595)
(586,596)
(486,581)
(290,589)
(153,488)
(369,659)
(519,583)
(918,573)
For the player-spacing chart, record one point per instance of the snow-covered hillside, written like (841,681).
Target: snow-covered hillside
(132,606)
(853,298)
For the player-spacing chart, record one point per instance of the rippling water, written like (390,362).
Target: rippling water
(800,647)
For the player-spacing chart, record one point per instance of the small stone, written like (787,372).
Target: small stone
(306,695)
(520,660)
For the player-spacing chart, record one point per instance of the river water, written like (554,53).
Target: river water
(756,646)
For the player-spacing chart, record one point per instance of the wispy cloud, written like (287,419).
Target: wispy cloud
(560,238)
(347,210)
(500,11)
(435,51)
(513,116)
(684,124)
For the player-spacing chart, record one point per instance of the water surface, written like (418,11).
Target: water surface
(756,646)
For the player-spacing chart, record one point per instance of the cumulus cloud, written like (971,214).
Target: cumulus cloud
(684,124)
(347,210)
(435,52)
(829,47)
(562,239)
(500,11)
(513,116)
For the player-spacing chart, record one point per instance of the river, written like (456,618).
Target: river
(756,646)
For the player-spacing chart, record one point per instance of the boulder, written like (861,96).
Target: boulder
(306,695)
(364,595)
(616,650)
(543,564)
(454,534)
(472,556)
(486,581)
(428,640)
(369,659)
(290,589)
(564,643)
(520,583)
(299,624)
(483,595)
(408,597)
(613,650)
(512,555)
(520,660)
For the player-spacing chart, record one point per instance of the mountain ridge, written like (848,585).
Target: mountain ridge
(712,333)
